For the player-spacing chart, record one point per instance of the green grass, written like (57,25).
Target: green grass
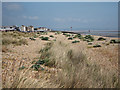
(51,36)
(45,38)
(58,32)
(45,55)
(97,45)
(101,39)
(75,41)
(114,41)
(89,43)
(70,38)
(88,38)
(37,67)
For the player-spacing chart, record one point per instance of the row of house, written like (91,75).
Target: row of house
(7,28)
(23,28)
(27,29)
(42,29)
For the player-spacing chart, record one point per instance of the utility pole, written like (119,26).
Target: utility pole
(71,28)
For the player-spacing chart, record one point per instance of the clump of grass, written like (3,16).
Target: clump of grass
(114,41)
(37,67)
(54,40)
(21,68)
(51,36)
(70,38)
(67,35)
(89,43)
(88,38)
(45,55)
(78,36)
(8,41)
(45,38)
(58,32)
(32,38)
(75,41)
(101,39)
(107,43)
(33,61)
(35,36)
(97,45)
(23,41)
(64,34)
(5,49)
(44,33)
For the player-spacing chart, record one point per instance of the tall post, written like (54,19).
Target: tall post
(71,28)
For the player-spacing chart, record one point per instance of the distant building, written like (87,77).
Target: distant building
(27,28)
(7,28)
(42,29)
(31,28)
(23,28)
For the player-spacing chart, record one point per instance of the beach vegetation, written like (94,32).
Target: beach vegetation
(89,43)
(97,45)
(76,41)
(88,38)
(114,41)
(37,67)
(101,39)
(70,38)
(51,36)
(21,68)
(45,38)
(31,38)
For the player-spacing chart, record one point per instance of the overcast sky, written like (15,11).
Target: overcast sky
(62,15)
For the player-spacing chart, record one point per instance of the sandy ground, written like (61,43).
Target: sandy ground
(27,53)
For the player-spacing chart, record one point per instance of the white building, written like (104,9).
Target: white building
(31,28)
(43,29)
(23,28)
(7,28)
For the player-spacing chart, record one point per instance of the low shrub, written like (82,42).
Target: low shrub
(114,41)
(54,40)
(64,34)
(8,41)
(21,68)
(58,32)
(75,41)
(23,41)
(45,38)
(37,64)
(88,38)
(97,45)
(5,49)
(107,44)
(35,36)
(70,38)
(67,35)
(37,67)
(32,38)
(89,43)
(101,39)
(51,36)
(40,62)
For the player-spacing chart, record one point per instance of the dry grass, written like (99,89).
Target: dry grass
(75,71)
(15,38)
(68,67)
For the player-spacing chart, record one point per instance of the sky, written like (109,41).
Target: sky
(62,15)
